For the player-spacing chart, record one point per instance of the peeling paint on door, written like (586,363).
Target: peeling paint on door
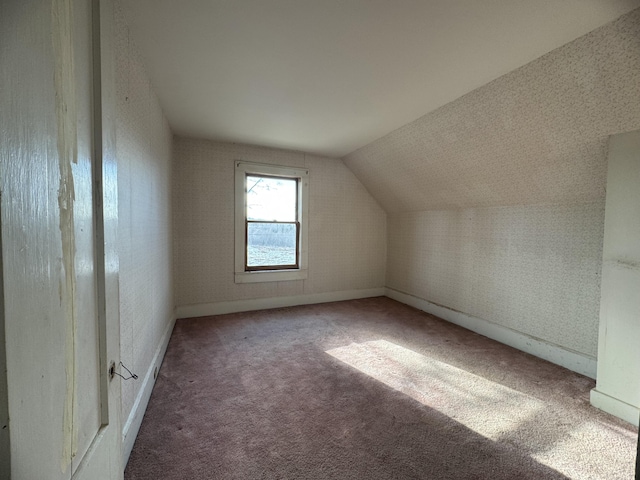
(66,119)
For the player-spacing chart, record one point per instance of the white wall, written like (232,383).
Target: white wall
(534,269)
(496,200)
(618,387)
(144,202)
(347,228)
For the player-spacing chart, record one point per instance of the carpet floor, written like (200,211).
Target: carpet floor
(367,389)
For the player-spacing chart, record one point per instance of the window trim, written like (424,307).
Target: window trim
(295,222)
(242,169)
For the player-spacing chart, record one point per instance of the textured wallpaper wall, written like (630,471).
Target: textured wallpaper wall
(535,135)
(534,269)
(347,227)
(496,200)
(144,209)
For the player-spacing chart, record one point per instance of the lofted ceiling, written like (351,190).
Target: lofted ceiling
(330,76)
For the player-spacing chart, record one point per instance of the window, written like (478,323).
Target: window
(271,223)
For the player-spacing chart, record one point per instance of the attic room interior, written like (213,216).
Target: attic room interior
(454,186)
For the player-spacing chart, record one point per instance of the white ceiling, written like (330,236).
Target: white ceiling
(330,76)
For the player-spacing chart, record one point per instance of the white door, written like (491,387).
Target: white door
(59,222)
(97,452)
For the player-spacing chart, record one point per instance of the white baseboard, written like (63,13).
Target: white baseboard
(220,308)
(574,361)
(615,407)
(132,425)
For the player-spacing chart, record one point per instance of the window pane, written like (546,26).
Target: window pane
(271,199)
(271,244)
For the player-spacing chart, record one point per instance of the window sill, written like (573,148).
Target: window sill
(270,276)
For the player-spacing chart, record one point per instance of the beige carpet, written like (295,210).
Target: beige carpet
(367,389)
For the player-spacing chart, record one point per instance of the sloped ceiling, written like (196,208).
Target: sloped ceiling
(537,135)
(330,76)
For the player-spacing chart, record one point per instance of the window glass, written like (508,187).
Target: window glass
(271,199)
(271,244)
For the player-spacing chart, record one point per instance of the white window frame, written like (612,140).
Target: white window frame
(242,169)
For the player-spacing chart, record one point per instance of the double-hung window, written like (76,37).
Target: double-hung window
(271,222)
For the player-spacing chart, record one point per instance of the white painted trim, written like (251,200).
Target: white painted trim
(220,308)
(271,276)
(615,407)
(574,361)
(132,425)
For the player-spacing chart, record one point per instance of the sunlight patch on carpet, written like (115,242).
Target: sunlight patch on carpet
(486,407)
(579,453)
(576,447)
